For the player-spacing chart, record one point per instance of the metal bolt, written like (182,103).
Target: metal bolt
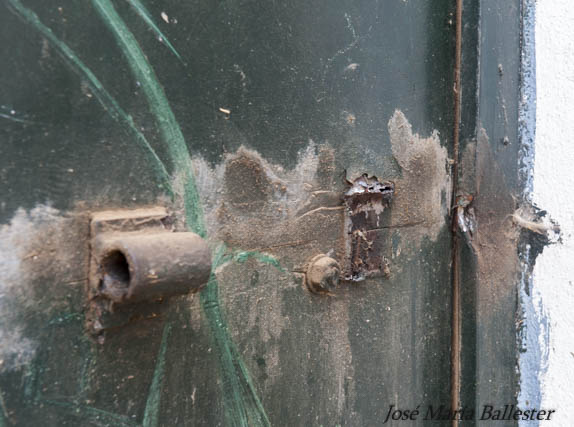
(322,275)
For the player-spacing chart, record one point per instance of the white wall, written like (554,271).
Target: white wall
(550,310)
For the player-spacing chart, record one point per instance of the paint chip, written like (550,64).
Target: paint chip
(165,17)
(352,67)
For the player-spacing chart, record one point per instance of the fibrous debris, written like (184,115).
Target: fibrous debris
(368,193)
(465,216)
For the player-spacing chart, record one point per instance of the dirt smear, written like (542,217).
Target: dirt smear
(496,239)
(35,247)
(253,206)
(422,194)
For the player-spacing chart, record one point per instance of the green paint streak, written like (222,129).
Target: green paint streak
(242,256)
(151,414)
(146,16)
(31,383)
(184,180)
(242,405)
(65,317)
(101,94)
(33,394)
(85,377)
(93,415)
(3,415)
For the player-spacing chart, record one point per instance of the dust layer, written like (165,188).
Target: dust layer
(36,247)
(422,193)
(494,243)
(253,206)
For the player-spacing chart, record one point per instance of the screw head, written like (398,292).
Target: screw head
(322,275)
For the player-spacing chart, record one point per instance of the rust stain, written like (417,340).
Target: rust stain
(366,200)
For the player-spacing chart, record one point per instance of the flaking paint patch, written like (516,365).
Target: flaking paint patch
(422,194)
(34,246)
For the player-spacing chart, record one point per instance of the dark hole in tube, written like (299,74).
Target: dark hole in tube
(116,269)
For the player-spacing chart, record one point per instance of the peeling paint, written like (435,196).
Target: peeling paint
(366,200)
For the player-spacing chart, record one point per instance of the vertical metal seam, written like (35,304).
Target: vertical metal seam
(456,320)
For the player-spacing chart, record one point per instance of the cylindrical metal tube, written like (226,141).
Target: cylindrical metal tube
(148,266)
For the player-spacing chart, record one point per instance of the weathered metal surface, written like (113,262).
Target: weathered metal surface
(242,119)
(366,200)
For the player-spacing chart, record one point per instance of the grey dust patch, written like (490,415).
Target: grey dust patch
(36,247)
(422,194)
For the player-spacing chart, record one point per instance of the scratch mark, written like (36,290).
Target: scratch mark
(33,394)
(4,416)
(151,414)
(16,119)
(146,16)
(31,381)
(62,318)
(321,209)
(85,378)
(282,245)
(103,96)
(344,50)
(408,224)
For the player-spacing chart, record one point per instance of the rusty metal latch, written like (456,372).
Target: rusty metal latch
(365,201)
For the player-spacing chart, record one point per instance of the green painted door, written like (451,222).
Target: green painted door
(246,120)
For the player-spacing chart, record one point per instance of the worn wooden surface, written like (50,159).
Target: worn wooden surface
(255,113)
